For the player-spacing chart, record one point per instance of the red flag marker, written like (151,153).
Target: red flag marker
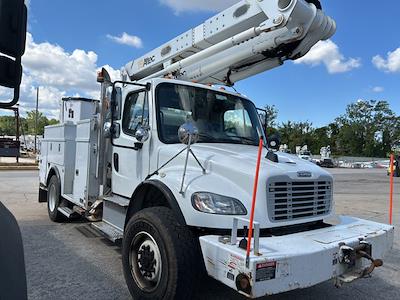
(253,205)
(391,189)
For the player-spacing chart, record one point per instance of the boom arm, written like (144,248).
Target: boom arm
(248,38)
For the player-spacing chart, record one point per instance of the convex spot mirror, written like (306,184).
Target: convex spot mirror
(188,132)
(111,130)
(142,134)
(10,73)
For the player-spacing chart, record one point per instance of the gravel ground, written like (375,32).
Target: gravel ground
(65,261)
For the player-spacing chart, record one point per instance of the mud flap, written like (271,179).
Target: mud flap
(42,198)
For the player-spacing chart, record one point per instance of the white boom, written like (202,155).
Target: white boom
(248,38)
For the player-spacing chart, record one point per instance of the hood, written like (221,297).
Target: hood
(230,171)
(231,160)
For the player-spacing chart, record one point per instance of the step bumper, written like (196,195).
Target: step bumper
(298,260)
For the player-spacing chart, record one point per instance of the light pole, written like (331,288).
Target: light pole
(36,117)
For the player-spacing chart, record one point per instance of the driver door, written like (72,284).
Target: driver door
(130,166)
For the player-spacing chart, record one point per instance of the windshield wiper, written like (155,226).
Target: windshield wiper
(206,136)
(243,138)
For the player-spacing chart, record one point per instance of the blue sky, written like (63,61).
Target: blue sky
(306,91)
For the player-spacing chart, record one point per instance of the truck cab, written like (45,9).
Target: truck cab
(229,129)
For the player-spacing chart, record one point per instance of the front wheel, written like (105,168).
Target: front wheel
(161,258)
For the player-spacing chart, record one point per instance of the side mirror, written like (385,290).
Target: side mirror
(107,130)
(13,22)
(116,102)
(274,142)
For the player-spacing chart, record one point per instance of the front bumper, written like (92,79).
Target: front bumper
(297,260)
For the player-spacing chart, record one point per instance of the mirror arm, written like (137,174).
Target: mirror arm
(272,156)
(138,146)
(164,165)
(12,102)
(147,86)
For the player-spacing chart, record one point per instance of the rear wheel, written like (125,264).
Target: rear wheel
(161,258)
(54,199)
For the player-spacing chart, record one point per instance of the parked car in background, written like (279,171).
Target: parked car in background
(326,163)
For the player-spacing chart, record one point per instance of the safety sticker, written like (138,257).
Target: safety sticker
(266,271)
(235,262)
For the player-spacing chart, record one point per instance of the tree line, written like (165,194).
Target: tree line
(27,124)
(367,128)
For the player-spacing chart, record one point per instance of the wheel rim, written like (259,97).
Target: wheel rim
(145,262)
(52,198)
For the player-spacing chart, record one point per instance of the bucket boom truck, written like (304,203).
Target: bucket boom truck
(165,163)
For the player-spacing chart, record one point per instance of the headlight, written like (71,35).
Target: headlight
(216,204)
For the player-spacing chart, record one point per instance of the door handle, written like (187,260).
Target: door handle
(116,162)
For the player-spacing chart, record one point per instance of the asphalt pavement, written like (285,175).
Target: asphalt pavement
(69,261)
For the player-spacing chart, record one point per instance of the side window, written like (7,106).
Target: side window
(236,121)
(136,112)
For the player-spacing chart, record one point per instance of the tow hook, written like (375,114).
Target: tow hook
(349,256)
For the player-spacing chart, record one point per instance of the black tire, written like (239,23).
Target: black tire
(181,260)
(53,204)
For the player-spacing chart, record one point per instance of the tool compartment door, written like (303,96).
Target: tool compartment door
(85,180)
(43,162)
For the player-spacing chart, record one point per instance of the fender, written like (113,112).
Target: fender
(136,203)
(54,170)
(43,188)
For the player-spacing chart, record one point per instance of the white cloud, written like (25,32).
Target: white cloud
(58,74)
(378,89)
(198,5)
(126,39)
(51,65)
(391,64)
(328,53)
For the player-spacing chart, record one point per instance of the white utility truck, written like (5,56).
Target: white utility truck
(304,153)
(165,163)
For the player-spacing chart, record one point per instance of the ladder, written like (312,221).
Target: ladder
(248,38)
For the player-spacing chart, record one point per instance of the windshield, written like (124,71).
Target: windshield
(219,117)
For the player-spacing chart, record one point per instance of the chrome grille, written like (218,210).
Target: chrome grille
(293,200)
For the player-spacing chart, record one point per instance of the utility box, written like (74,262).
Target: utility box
(58,147)
(77,109)
(71,147)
